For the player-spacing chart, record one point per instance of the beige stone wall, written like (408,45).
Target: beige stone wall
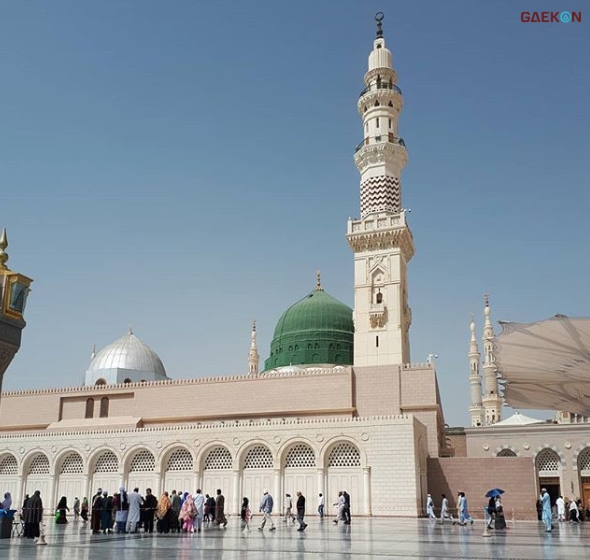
(475,476)
(324,394)
(457,442)
(368,392)
(408,390)
(377,390)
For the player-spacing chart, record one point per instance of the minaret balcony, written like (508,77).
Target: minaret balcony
(389,137)
(380,85)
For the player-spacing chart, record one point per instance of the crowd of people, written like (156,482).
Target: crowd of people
(547,512)
(445,512)
(131,512)
(562,510)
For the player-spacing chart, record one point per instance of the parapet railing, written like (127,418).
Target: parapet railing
(379,139)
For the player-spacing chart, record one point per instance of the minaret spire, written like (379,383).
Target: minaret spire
(476,408)
(492,402)
(253,356)
(381,239)
(318,283)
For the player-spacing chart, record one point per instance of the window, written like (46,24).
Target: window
(107,463)
(377,122)
(8,465)
(300,456)
(89,408)
(101,381)
(389,123)
(377,342)
(506,453)
(258,457)
(344,455)
(143,461)
(180,460)
(548,462)
(218,458)
(379,298)
(104,407)
(72,464)
(377,104)
(39,464)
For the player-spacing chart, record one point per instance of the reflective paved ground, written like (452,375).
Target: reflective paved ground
(377,538)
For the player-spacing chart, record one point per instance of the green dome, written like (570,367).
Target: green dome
(318,329)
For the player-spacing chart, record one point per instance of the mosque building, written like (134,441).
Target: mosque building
(343,407)
(338,404)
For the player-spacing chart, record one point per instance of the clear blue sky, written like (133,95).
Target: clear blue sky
(185,166)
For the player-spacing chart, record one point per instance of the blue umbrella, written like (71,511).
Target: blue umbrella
(494,492)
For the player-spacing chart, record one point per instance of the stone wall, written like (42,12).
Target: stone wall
(326,393)
(377,460)
(475,476)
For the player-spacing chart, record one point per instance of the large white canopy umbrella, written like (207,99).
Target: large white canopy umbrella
(546,365)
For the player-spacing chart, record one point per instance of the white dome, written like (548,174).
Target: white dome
(129,358)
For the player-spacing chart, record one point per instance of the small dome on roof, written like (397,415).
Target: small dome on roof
(128,359)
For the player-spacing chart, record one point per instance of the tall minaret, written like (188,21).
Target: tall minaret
(492,402)
(253,357)
(381,239)
(476,408)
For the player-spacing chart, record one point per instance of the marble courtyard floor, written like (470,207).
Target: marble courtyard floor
(365,538)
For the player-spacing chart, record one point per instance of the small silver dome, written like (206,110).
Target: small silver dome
(128,358)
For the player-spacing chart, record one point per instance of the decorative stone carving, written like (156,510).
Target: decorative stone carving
(378,315)
(386,239)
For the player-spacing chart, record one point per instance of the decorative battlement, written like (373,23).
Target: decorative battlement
(195,381)
(377,223)
(417,366)
(373,236)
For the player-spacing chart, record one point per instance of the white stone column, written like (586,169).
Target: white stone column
(235,506)
(21,499)
(197,479)
(367,490)
(50,506)
(86,487)
(277,490)
(321,485)
(159,485)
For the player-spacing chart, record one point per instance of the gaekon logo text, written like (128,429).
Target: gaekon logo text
(550,17)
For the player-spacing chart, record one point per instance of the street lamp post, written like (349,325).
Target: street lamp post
(14,288)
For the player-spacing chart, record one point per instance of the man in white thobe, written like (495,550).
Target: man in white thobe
(135,502)
(560,503)
(199,500)
(430,507)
